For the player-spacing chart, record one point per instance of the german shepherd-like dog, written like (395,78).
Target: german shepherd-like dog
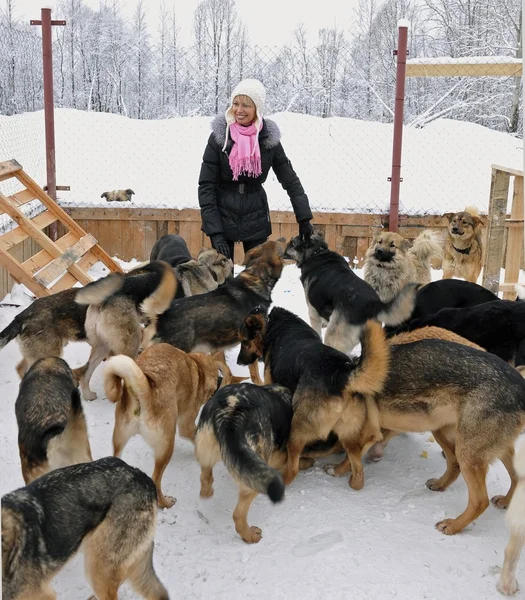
(105,508)
(463,246)
(117,305)
(205,274)
(52,430)
(497,326)
(392,261)
(45,327)
(247,426)
(165,386)
(210,322)
(118,195)
(336,296)
(515,520)
(330,390)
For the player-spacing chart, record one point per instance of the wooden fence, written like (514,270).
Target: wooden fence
(131,232)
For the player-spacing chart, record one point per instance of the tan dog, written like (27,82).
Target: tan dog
(392,261)
(463,246)
(164,387)
(118,195)
(515,520)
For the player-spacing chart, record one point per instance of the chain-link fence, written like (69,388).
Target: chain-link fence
(144,111)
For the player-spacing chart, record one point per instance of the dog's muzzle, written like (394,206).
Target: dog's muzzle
(456,231)
(383,255)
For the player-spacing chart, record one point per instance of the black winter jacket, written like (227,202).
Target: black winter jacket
(243,214)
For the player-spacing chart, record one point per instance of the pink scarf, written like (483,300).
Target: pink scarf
(245,156)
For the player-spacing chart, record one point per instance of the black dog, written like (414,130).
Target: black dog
(497,326)
(248,427)
(172,249)
(337,296)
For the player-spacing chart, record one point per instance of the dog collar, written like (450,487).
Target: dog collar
(464,251)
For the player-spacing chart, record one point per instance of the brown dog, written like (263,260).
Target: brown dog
(463,246)
(118,195)
(164,387)
(392,261)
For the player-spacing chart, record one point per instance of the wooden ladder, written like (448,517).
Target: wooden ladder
(59,265)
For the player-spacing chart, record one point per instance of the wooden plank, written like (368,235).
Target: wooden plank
(185,231)
(21,198)
(362,246)
(35,262)
(173,227)
(509,170)
(465,69)
(514,238)
(8,168)
(66,282)
(195,239)
(329,236)
(20,276)
(138,241)
(499,191)
(18,234)
(70,256)
(509,288)
(87,261)
(115,231)
(105,239)
(361,231)
(128,242)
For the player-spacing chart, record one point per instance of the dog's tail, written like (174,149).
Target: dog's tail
(472,210)
(247,467)
(11,331)
(123,372)
(400,308)
(100,290)
(426,247)
(370,376)
(159,301)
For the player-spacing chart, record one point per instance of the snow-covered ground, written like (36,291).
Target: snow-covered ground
(324,541)
(343,163)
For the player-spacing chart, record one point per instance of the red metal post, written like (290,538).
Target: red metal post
(399,106)
(49,108)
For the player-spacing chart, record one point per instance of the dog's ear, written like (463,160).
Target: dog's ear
(449,216)
(478,223)
(256,319)
(129,192)
(104,195)
(406,244)
(281,246)
(13,542)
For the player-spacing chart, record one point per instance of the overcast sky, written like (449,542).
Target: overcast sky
(269,22)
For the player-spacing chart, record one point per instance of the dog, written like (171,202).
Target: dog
(52,430)
(463,246)
(105,508)
(45,327)
(117,304)
(336,296)
(248,427)
(497,326)
(165,386)
(211,322)
(392,261)
(330,390)
(515,520)
(473,403)
(118,195)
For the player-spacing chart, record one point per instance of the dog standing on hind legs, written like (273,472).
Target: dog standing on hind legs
(515,520)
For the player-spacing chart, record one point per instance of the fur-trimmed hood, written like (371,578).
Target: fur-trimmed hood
(269,136)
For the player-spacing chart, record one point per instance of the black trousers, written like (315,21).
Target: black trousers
(246,245)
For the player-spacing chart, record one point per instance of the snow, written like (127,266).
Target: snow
(343,163)
(324,541)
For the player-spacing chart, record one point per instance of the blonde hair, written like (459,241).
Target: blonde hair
(244,98)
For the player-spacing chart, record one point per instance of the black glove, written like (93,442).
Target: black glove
(220,244)
(305,230)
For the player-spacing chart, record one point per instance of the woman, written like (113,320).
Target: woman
(241,149)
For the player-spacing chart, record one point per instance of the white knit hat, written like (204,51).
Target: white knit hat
(255,90)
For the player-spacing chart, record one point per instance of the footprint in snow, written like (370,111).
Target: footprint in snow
(317,543)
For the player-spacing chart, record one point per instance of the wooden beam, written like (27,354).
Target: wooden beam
(509,287)
(8,168)
(19,234)
(464,69)
(509,170)
(514,238)
(499,191)
(21,198)
(20,276)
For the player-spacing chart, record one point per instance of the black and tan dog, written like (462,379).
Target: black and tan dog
(330,390)
(337,296)
(210,322)
(163,388)
(52,430)
(117,305)
(463,246)
(247,426)
(206,273)
(497,326)
(45,327)
(105,508)
(118,195)
(392,261)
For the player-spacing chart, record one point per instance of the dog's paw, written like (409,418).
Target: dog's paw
(306,463)
(206,492)
(433,484)
(330,469)
(447,526)
(167,502)
(508,588)
(254,536)
(500,501)
(356,483)
(375,454)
